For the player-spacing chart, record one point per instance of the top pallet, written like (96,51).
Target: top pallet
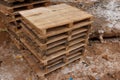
(54,17)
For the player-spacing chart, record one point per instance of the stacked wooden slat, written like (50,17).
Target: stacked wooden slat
(17,2)
(53,36)
(12,1)
(9,8)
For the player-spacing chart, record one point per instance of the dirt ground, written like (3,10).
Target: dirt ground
(102,60)
(12,64)
(101,63)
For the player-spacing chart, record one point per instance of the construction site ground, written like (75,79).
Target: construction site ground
(101,61)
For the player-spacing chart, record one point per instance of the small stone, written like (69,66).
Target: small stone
(105,57)
(18,56)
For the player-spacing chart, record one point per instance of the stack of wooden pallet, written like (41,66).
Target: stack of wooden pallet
(10,11)
(53,36)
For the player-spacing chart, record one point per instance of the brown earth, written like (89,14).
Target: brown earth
(101,63)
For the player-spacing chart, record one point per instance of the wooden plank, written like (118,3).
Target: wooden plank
(12,1)
(55,49)
(27,4)
(79,35)
(31,49)
(15,40)
(57,30)
(21,6)
(54,64)
(56,59)
(77,54)
(33,30)
(77,50)
(57,54)
(78,31)
(56,38)
(33,37)
(81,24)
(54,44)
(73,42)
(74,57)
(76,46)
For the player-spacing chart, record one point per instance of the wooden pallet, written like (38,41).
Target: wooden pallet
(74,33)
(13,9)
(56,63)
(15,40)
(60,36)
(15,3)
(53,62)
(53,36)
(49,68)
(33,47)
(47,40)
(52,53)
(11,1)
(45,23)
(11,12)
(50,42)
